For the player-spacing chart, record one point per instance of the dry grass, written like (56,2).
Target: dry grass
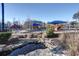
(71,42)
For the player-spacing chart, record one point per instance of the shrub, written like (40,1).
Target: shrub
(50,33)
(4,36)
(73,44)
(70,41)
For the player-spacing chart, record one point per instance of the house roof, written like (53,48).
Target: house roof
(15,26)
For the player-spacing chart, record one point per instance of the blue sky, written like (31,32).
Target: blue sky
(43,12)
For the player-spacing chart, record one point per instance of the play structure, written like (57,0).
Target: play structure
(56,25)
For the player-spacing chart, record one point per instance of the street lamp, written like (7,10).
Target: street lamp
(2,4)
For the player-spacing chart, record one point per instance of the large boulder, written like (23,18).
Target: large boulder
(27,48)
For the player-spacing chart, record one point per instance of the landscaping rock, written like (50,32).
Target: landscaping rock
(27,48)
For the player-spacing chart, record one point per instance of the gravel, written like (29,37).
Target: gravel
(40,52)
(45,52)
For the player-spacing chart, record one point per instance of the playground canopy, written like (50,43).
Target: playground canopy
(57,22)
(35,24)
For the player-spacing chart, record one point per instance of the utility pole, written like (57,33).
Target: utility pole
(2,4)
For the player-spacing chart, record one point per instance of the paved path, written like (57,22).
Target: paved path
(67,31)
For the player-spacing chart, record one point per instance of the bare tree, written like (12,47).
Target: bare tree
(76,17)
